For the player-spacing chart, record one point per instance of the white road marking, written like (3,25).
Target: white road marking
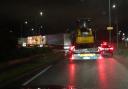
(34,77)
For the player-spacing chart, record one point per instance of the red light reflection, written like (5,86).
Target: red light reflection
(100,57)
(71,74)
(70,87)
(103,83)
(112,68)
(106,70)
(71,56)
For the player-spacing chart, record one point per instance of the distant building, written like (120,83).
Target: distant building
(31,41)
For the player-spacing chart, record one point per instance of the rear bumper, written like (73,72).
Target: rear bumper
(90,56)
(106,52)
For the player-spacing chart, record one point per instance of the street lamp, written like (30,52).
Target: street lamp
(37,20)
(123,34)
(26,22)
(22,27)
(109,20)
(32,29)
(41,13)
(114,6)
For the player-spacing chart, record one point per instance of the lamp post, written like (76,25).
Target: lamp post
(26,26)
(41,26)
(109,20)
(22,27)
(115,7)
(37,21)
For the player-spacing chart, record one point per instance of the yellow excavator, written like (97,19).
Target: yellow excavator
(83,34)
(84,37)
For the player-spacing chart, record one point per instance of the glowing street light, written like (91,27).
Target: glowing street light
(26,22)
(41,13)
(114,6)
(32,29)
(123,34)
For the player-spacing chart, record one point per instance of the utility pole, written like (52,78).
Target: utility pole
(21,30)
(115,6)
(110,21)
(117,27)
(117,33)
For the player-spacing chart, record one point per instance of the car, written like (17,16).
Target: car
(106,49)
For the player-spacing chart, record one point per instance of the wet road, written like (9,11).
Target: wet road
(105,73)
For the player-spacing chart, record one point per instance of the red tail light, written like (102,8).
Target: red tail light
(100,48)
(111,48)
(104,43)
(71,57)
(72,48)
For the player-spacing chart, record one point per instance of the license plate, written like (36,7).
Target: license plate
(87,55)
(106,48)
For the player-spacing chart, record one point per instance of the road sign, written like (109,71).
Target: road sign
(109,28)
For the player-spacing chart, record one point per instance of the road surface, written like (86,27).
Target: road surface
(105,73)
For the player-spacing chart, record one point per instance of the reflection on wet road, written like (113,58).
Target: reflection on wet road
(104,73)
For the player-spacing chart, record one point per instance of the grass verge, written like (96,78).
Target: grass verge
(122,51)
(44,59)
(21,53)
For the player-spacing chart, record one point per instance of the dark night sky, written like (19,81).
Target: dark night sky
(60,13)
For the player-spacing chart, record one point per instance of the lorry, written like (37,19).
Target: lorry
(82,39)
(55,40)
